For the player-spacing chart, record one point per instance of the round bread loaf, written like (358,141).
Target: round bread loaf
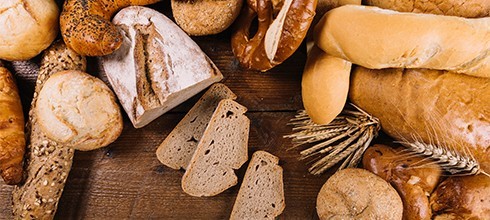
(78,110)
(358,194)
(27,27)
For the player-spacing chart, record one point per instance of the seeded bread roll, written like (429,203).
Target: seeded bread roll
(358,194)
(78,111)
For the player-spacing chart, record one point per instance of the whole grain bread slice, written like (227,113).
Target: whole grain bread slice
(178,147)
(261,194)
(223,148)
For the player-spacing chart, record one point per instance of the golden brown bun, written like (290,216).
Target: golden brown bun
(27,27)
(358,194)
(463,198)
(463,8)
(413,178)
(204,17)
(78,110)
(376,38)
(434,105)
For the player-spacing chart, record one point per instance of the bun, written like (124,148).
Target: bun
(27,27)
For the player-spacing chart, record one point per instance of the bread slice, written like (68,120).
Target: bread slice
(222,149)
(261,194)
(177,149)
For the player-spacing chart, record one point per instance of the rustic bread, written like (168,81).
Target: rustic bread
(377,38)
(261,194)
(204,17)
(358,194)
(223,148)
(78,111)
(48,163)
(27,27)
(151,72)
(178,147)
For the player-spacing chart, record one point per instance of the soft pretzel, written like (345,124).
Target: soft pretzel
(275,39)
(86,27)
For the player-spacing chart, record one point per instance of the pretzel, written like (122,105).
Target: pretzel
(275,39)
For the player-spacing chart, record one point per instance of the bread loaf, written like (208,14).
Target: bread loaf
(431,106)
(48,163)
(178,147)
(151,72)
(27,27)
(12,138)
(261,195)
(79,111)
(222,149)
(358,194)
(377,38)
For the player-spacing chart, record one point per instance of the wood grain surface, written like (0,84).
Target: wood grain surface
(126,181)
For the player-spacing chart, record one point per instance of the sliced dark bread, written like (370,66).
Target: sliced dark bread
(223,148)
(177,149)
(261,194)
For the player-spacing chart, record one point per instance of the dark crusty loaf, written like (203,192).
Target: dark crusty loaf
(177,149)
(261,194)
(222,149)
(48,163)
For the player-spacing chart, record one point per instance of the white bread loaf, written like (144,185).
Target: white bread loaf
(157,66)
(376,38)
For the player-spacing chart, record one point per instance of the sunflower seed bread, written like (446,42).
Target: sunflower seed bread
(178,147)
(261,194)
(223,148)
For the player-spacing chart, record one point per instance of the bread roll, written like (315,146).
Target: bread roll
(78,111)
(377,38)
(27,27)
(358,194)
(463,8)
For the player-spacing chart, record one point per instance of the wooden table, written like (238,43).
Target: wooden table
(126,181)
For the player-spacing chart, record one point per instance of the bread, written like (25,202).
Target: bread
(48,163)
(178,147)
(358,194)
(324,86)
(464,8)
(261,195)
(27,27)
(431,106)
(377,38)
(151,72)
(413,177)
(462,198)
(86,27)
(204,17)
(78,111)
(12,139)
(222,148)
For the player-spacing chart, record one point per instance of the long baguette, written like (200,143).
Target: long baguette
(378,38)
(48,163)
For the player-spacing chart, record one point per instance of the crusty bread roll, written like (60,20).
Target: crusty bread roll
(463,8)
(26,27)
(78,110)
(358,194)
(378,38)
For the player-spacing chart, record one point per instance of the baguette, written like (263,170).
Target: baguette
(429,106)
(48,163)
(177,149)
(377,38)
(222,149)
(12,138)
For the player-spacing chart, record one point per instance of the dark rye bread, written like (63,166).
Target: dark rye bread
(178,147)
(223,148)
(261,194)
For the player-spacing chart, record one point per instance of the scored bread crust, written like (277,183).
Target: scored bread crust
(261,195)
(222,149)
(178,147)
